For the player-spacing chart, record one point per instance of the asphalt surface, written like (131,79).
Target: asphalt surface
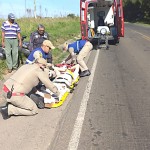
(110,110)
(118,108)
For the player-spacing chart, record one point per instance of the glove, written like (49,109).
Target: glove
(73,61)
(50,66)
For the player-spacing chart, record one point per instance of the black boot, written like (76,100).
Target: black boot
(85,73)
(4,112)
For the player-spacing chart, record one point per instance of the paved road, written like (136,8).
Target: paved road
(117,115)
(110,110)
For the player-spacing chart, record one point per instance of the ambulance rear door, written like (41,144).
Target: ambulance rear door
(120,18)
(83,17)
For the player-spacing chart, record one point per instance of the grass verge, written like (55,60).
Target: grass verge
(59,29)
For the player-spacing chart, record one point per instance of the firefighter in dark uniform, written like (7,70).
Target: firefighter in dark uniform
(16,88)
(37,38)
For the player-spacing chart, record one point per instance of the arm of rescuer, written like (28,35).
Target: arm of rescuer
(19,38)
(43,76)
(49,57)
(71,56)
(37,54)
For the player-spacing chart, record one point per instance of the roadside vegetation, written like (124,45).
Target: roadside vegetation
(137,11)
(59,29)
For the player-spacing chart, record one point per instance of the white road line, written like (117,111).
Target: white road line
(75,137)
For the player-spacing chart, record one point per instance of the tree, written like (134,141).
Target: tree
(137,10)
(71,15)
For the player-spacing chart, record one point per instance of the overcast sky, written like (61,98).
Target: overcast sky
(46,8)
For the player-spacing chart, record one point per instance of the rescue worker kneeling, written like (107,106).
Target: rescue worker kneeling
(17,87)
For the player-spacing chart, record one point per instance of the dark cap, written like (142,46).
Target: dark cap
(11,16)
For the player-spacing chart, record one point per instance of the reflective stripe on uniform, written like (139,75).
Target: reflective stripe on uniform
(28,61)
(78,46)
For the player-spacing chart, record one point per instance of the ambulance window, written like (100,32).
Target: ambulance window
(91,5)
(101,14)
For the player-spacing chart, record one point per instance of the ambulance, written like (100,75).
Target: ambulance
(102,20)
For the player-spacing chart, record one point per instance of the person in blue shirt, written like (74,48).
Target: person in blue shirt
(78,51)
(40,52)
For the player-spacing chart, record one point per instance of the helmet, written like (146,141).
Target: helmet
(52,74)
(11,16)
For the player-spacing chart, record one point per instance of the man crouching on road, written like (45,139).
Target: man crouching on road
(78,51)
(20,84)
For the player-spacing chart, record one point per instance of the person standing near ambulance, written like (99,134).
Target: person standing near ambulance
(16,88)
(81,48)
(10,36)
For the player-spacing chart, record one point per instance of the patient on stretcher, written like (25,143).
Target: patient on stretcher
(65,77)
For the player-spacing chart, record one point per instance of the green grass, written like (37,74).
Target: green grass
(2,68)
(59,29)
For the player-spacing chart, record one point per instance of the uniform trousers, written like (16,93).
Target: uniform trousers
(82,54)
(21,105)
(11,51)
